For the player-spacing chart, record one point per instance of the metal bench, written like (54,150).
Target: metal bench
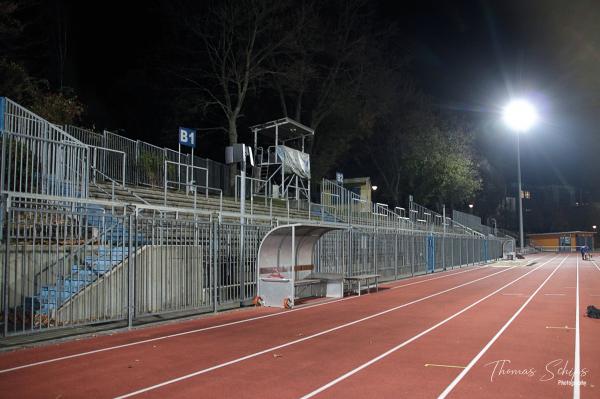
(307,281)
(332,284)
(300,287)
(366,278)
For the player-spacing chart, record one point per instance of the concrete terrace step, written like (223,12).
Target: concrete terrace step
(155,196)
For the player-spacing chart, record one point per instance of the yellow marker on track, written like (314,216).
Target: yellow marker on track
(444,365)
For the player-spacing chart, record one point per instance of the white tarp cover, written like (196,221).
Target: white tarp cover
(294,161)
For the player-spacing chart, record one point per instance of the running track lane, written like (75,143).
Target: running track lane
(559,354)
(290,370)
(539,344)
(589,329)
(120,339)
(125,373)
(152,334)
(198,328)
(567,352)
(445,350)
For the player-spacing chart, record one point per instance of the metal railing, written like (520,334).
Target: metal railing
(176,171)
(38,157)
(69,262)
(254,188)
(189,174)
(257,191)
(145,162)
(108,163)
(471,221)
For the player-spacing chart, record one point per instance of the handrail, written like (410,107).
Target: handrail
(178,181)
(95,158)
(33,116)
(251,179)
(72,254)
(52,141)
(207,189)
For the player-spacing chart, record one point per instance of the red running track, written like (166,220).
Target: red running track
(485,331)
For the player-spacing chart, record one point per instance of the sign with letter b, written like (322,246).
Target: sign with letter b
(187,137)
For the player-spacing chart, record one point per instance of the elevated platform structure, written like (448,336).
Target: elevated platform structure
(282,159)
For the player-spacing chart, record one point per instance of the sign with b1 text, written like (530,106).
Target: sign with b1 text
(187,137)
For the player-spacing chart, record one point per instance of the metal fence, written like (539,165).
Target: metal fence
(69,263)
(471,221)
(397,254)
(107,165)
(38,157)
(145,163)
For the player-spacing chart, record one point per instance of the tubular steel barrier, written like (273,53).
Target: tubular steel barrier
(67,260)
(110,164)
(145,163)
(72,262)
(38,157)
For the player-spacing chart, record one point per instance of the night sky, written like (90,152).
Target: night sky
(469,56)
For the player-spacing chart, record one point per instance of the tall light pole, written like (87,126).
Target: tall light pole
(520,116)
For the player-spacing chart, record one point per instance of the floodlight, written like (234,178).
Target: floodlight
(374,188)
(520,115)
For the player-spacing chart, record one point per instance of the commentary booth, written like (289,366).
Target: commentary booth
(286,270)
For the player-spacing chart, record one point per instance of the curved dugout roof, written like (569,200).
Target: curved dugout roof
(284,251)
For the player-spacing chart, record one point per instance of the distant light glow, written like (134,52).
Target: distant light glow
(374,188)
(594,227)
(471,206)
(520,115)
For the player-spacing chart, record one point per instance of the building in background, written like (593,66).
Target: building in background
(359,185)
(564,241)
(548,208)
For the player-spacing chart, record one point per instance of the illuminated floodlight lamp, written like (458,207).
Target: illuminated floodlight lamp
(520,115)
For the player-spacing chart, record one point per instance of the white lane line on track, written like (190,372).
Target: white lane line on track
(449,275)
(290,343)
(577,367)
(408,341)
(555,294)
(145,341)
(436,278)
(462,374)
(199,330)
(595,264)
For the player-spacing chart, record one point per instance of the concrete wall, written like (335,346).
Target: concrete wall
(167,278)
(27,261)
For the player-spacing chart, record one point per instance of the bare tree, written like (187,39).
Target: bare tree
(230,45)
(325,75)
(326,61)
